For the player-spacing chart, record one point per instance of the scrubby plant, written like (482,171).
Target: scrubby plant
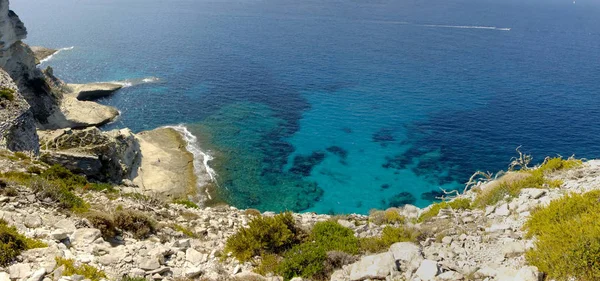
(12,243)
(332,236)
(456,204)
(139,224)
(100,187)
(7,94)
(268,264)
(63,177)
(186,202)
(102,221)
(129,278)
(305,260)
(186,231)
(527,178)
(252,212)
(389,216)
(264,235)
(389,236)
(568,238)
(65,198)
(88,271)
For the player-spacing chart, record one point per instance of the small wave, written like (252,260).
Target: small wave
(57,51)
(201,158)
(467,27)
(137,81)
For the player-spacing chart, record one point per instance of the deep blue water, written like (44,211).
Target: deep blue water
(341,106)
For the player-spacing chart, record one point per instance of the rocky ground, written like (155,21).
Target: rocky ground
(462,245)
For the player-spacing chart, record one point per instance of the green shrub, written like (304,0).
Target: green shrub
(389,236)
(306,260)
(12,243)
(186,231)
(100,187)
(65,198)
(264,235)
(332,236)
(186,203)
(63,177)
(7,94)
(34,170)
(268,264)
(252,212)
(88,271)
(434,210)
(21,155)
(102,221)
(137,223)
(389,216)
(568,238)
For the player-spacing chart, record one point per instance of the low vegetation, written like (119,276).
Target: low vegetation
(511,184)
(138,224)
(87,271)
(7,94)
(12,243)
(187,203)
(568,238)
(456,204)
(389,216)
(286,250)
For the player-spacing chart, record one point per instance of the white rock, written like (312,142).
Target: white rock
(512,249)
(502,210)
(84,237)
(149,263)
(66,225)
(346,223)
(409,254)
(428,270)
(59,234)
(447,240)
(37,275)
(194,257)
(373,267)
(528,273)
(33,221)
(4,276)
(533,193)
(19,271)
(450,276)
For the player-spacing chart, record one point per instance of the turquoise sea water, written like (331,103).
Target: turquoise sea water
(341,106)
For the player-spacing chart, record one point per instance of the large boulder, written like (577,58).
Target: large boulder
(104,156)
(373,267)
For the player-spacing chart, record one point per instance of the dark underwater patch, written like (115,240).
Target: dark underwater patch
(432,195)
(384,136)
(385,186)
(338,151)
(401,199)
(303,164)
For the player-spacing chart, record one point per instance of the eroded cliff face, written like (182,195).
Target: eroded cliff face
(17,125)
(18,60)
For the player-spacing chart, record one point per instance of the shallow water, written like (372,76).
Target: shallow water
(341,106)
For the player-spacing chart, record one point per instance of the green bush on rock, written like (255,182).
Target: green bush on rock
(12,243)
(434,210)
(264,235)
(568,238)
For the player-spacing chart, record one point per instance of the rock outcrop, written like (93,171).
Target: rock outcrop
(42,53)
(93,91)
(104,156)
(17,125)
(166,167)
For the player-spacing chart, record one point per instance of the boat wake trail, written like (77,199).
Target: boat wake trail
(441,25)
(57,51)
(201,158)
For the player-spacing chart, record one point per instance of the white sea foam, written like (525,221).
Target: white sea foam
(137,81)
(201,158)
(57,51)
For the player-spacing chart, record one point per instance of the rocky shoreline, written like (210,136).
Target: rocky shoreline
(78,203)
